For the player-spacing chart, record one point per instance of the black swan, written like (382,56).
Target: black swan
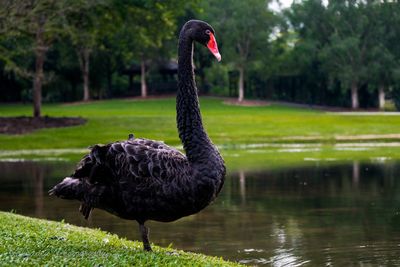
(140,179)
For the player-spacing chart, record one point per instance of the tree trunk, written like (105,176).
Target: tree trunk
(109,78)
(84,60)
(354,96)
(241,84)
(143,78)
(381,93)
(86,92)
(40,54)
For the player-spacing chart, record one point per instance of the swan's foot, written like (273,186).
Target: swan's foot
(144,231)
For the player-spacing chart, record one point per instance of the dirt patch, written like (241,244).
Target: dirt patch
(22,125)
(247,103)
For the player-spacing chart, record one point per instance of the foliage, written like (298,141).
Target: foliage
(313,52)
(38,22)
(85,23)
(243,28)
(26,242)
(144,27)
(349,40)
(115,31)
(21,21)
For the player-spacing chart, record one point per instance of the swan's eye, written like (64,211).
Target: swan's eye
(208,32)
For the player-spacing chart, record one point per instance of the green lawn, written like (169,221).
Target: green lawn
(32,242)
(230,127)
(227,125)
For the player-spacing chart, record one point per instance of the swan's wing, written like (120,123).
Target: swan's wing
(142,160)
(147,159)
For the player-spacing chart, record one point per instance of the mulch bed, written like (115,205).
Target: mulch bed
(22,125)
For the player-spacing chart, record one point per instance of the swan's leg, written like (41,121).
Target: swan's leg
(144,231)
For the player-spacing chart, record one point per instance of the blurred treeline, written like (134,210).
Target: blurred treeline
(339,53)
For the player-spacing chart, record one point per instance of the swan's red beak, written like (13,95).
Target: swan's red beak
(213,47)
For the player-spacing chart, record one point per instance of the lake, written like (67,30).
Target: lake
(331,214)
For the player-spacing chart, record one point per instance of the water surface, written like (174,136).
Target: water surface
(315,215)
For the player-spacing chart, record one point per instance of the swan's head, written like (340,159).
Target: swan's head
(203,33)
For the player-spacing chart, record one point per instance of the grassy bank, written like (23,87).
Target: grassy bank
(32,242)
(114,119)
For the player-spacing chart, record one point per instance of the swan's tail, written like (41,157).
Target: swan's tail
(69,188)
(73,188)
(86,184)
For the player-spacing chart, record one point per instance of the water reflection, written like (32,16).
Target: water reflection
(347,214)
(242,183)
(38,177)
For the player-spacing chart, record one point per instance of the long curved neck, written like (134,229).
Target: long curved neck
(190,126)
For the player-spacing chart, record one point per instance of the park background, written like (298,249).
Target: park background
(302,107)
(342,54)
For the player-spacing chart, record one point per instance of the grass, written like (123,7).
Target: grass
(112,120)
(228,126)
(33,242)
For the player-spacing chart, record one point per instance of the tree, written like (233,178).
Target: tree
(345,56)
(243,29)
(308,30)
(382,61)
(387,52)
(86,21)
(349,42)
(40,22)
(146,25)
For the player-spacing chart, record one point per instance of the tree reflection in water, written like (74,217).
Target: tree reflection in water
(242,183)
(38,193)
(342,214)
